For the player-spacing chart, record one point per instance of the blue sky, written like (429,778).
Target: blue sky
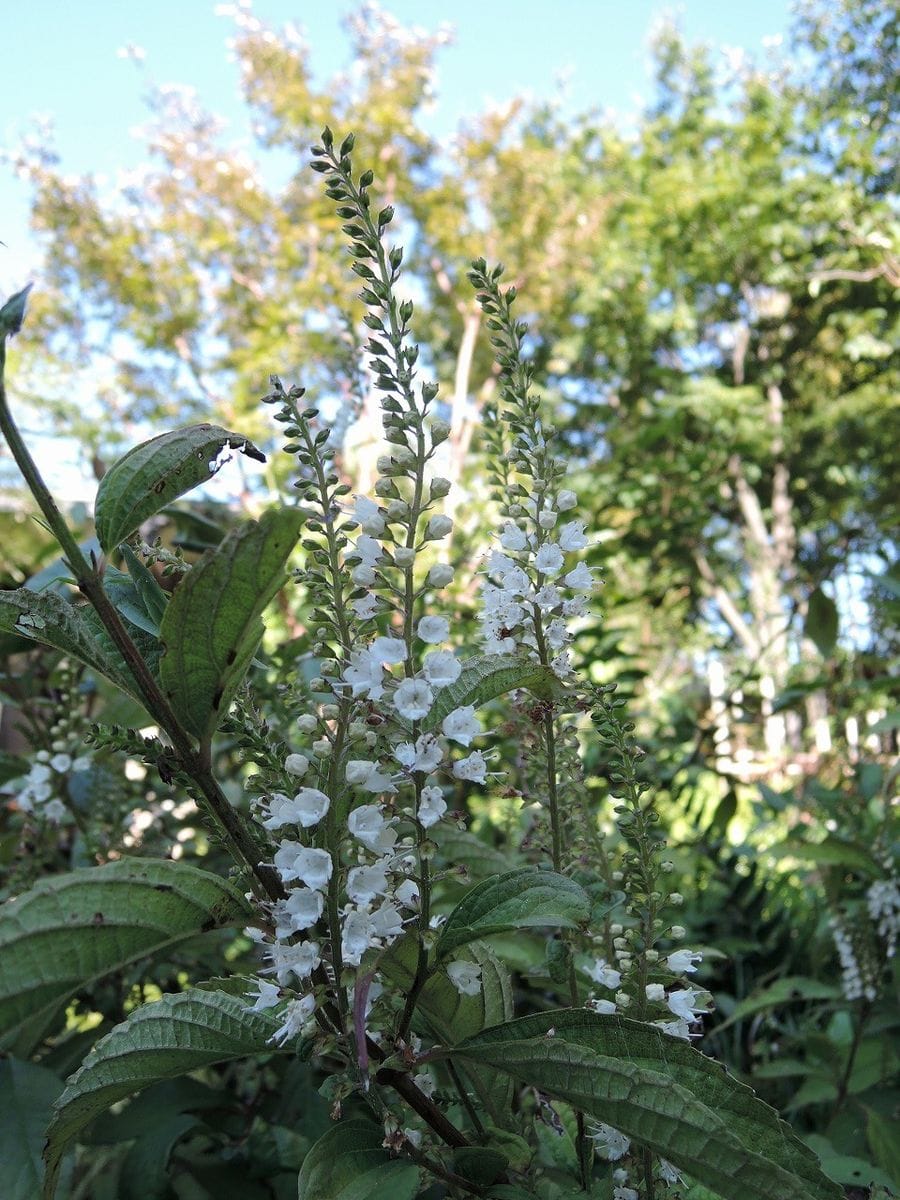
(61,60)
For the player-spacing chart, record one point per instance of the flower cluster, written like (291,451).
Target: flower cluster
(41,788)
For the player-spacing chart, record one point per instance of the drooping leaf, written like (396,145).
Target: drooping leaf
(153,597)
(158,471)
(821,625)
(124,593)
(663,1093)
(487,676)
(213,623)
(162,1040)
(71,929)
(350,1163)
(28,1093)
(521,899)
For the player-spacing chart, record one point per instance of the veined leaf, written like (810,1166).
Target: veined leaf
(163,1040)
(661,1092)
(350,1163)
(153,598)
(157,472)
(28,1093)
(213,623)
(487,676)
(71,929)
(520,899)
(124,593)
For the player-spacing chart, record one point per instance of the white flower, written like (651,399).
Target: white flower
(624,1193)
(604,974)
(267,995)
(365,675)
(513,538)
(566,500)
(678,1029)
(61,763)
(310,805)
(461,725)
(300,910)
(356,937)
(465,977)
(572,537)
(365,883)
(655,991)
(404,556)
(683,1004)
(54,812)
(432,806)
(547,597)
(438,527)
(441,668)
(668,1174)
(549,559)
(388,650)
(296,1014)
(369,516)
(367,550)
(433,629)
(386,921)
(413,699)
(473,768)
(606,1007)
(682,961)
(300,960)
(365,774)
(308,865)
(609,1142)
(425,755)
(366,607)
(367,825)
(407,893)
(296,764)
(580,579)
(81,764)
(440,575)
(547,519)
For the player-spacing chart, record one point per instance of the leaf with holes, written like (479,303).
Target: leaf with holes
(69,930)
(522,899)
(213,623)
(661,1092)
(163,1040)
(157,472)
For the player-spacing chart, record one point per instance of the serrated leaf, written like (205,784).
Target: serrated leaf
(350,1163)
(157,472)
(661,1092)
(821,625)
(487,676)
(213,623)
(523,899)
(71,929)
(163,1040)
(28,1093)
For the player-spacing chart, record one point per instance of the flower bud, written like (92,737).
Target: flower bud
(566,500)
(440,487)
(440,575)
(677,931)
(440,431)
(397,509)
(296,764)
(623,999)
(307,722)
(404,556)
(438,527)
(330,712)
(321,748)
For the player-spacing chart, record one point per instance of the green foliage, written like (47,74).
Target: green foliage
(28,1093)
(349,1163)
(487,676)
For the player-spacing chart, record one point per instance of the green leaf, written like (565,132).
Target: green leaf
(12,314)
(123,592)
(157,472)
(153,598)
(163,1040)
(71,929)
(350,1163)
(213,623)
(847,1169)
(831,851)
(487,676)
(788,990)
(479,1164)
(28,1093)
(661,1092)
(459,846)
(884,1144)
(521,899)
(821,625)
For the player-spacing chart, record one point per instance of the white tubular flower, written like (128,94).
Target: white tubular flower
(365,608)
(425,755)
(363,773)
(386,921)
(306,864)
(367,825)
(431,807)
(413,699)
(441,668)
(300,910)
(440,575)
(404,556)
(369,516)
(267,995)
(668,1174)
(609,1142)
(580,579)
(365,883)
(364,675)
(566,500)
(604,974)
(547,597)
(465,977)
(549,559)
(407,893)
(513,538)
(433,629)
(438,527)
(683,1004)
(296,1014)
(299,960)
(677,1029)
(572,536)
(461,725)
(473,768)
(388,650)
(367,550)
(296,764)
(605,1007)
(356,937)
(681,962)
(306,809)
